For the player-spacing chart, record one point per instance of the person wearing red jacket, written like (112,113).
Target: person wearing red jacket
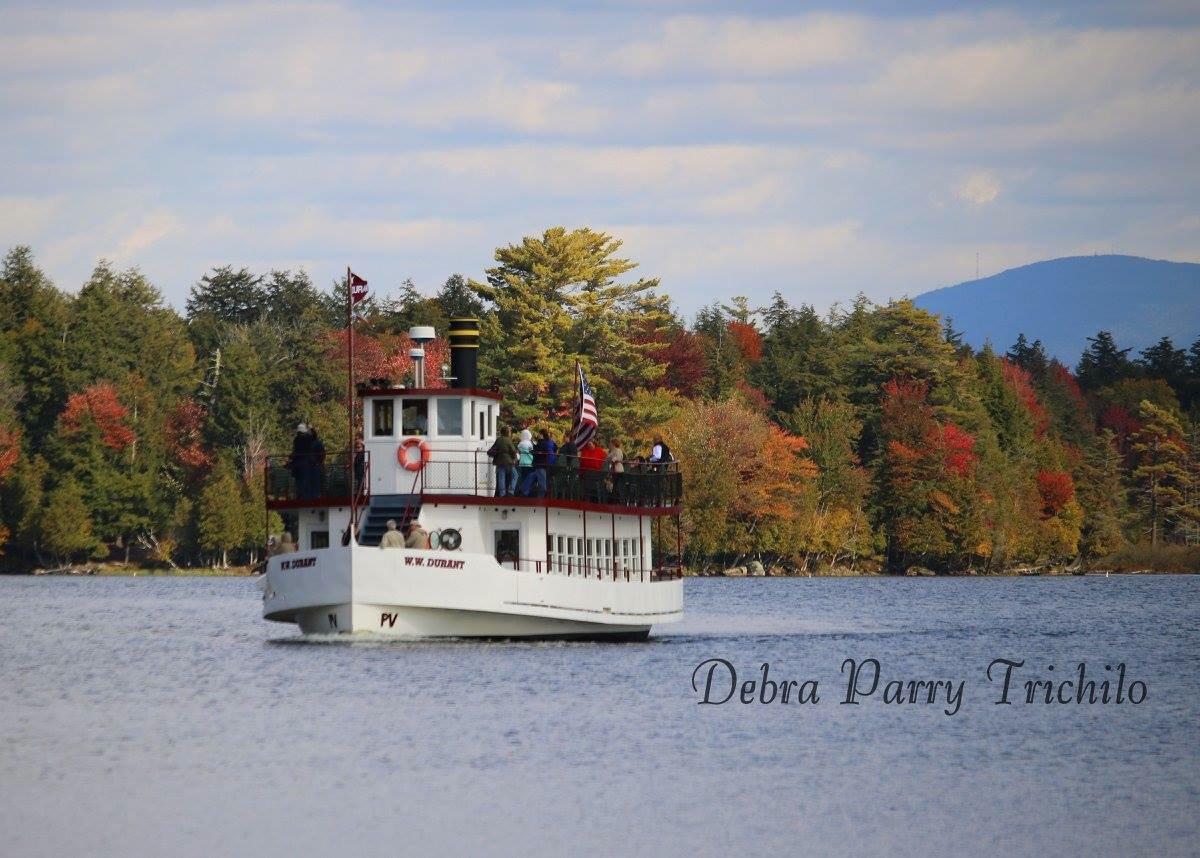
(591,466)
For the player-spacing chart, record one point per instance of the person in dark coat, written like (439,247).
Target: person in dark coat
(360,463)
(504,456)
(316,459)
(298,462)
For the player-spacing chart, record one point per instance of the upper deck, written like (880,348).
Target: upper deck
(468,477)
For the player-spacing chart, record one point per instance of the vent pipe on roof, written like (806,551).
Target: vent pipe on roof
(419,336)
(464,350)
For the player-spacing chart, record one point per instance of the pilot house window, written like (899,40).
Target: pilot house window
(449,416)
(382,422)
(414,417)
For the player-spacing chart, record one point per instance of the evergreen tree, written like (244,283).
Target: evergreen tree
(1102,363)
(557,298)
(1160,473)
(1163,361)
(65,524)
(798,359)
(1101,497)
(1031,358)
(458,300)
(34,321)
(221,299)
(220,516)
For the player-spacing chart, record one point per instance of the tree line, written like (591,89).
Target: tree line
(870,435)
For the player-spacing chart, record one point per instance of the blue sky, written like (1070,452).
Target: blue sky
(735,148)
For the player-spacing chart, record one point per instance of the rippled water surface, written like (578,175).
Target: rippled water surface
(164,716)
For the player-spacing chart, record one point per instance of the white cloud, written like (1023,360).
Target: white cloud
(153,229)
(979,188)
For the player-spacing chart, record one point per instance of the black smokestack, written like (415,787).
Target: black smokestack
(464,350)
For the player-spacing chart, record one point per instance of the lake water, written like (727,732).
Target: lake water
(164,716)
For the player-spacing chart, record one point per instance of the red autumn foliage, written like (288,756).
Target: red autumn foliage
(99,403)
(1066,379)
(748,339)
(914,434)
(183,428)
(386,356)
(957,447)
(754,397)
(1120,421)
(1057,489)
(686,363)
(906,411)
(1021,382)
(10,449)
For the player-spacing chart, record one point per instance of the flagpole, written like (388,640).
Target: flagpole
(350,401)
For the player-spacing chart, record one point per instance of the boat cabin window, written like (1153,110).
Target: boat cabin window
(319,539)
(508,547)
(382,411)
(449,416)
(414,417)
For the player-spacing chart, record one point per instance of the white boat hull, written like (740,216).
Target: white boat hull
(426,594)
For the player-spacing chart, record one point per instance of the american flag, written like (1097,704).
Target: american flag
(587,418)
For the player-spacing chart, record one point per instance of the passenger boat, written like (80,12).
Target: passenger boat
(582,560)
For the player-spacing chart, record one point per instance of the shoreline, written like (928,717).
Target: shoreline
(116,571)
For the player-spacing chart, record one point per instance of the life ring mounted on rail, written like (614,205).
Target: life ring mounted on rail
(410,461)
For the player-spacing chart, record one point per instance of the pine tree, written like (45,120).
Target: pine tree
(1160,473)
(1031,358)
(65,524)
(220,517)
(1162,360)
(557,298)
(798,360)
(1102,498)
(1102,363)
(221,299)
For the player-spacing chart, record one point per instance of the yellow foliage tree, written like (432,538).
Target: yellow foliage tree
(748,488)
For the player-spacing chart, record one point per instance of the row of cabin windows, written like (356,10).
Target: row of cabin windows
(447,418)
(571,553)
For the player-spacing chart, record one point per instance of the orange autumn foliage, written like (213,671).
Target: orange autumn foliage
(745,482)
(748,339)
(99,403)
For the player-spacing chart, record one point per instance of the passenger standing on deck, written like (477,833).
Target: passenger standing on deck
(504,455)
(591,467)
(614,464)
(360,463)
(524,459)
(545,454)
(316,459)
(298,461)
(392,538)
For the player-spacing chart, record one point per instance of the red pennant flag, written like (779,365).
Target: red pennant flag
(358,288)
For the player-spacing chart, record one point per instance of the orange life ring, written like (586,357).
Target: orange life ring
(413,463)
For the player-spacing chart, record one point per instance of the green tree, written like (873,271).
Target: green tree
(221,299)
(65,523)
(1101,497)
(555,299)
(798,360)
(1102,363)
(220,516)
(1160,475)
(34,322)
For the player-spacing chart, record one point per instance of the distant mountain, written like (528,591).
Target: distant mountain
(1064,301)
